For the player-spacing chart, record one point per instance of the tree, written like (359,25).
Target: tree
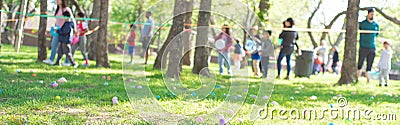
(329,26)
(42,52)
(102,45)
(20,25)
(175,50)
(315,44)
(386,16)
(349,69)
(201,53)
(139,12)
(92,39)
(177,27)
(341,35)
(188,33)
(8,32)
(337,43)
(77,6)
(1,17)
(264,8)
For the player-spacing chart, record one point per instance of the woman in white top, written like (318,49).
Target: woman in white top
(61,8)
(322,54)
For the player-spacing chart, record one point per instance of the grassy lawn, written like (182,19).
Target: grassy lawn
(85,98)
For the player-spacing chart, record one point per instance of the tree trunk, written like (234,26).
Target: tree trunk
(315,44)
(246,29)
(264,7)
(175,30)
(20,25)
(42,52)
(139,12)
(1,23)
(187,44)
(139,22)
(92,38)
(329,26)
(175,48)
(349,69)
(246,24)
(102,45)
(337,43)
(9,34)
(214,34)
(201,53)
(78,7)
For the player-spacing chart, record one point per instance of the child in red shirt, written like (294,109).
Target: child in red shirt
(82,30)
(131,42)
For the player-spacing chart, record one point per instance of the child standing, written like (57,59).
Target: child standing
(256,60)
(237,57)
(266,52)
(131,41)
(385,64)
(82,30)
(65,38)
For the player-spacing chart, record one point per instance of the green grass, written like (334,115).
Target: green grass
(85,99)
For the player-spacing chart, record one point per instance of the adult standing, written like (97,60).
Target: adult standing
(61,8)
(147,34)
(335,60)
(322,54)
(223,54)
(287,47)
(367,43)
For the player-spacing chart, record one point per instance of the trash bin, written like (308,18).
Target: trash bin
(304,64)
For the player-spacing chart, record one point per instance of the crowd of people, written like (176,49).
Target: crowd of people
(367,52)
(260,57)
(65,44)
(70,36)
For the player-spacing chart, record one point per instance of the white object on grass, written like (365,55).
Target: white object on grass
(62,80)
(115,100)
(313,98)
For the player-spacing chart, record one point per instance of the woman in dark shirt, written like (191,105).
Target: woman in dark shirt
(336,60)
(288,42)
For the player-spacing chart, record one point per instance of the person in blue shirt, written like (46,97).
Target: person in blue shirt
(147,34)
(65,38)
(367,43)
